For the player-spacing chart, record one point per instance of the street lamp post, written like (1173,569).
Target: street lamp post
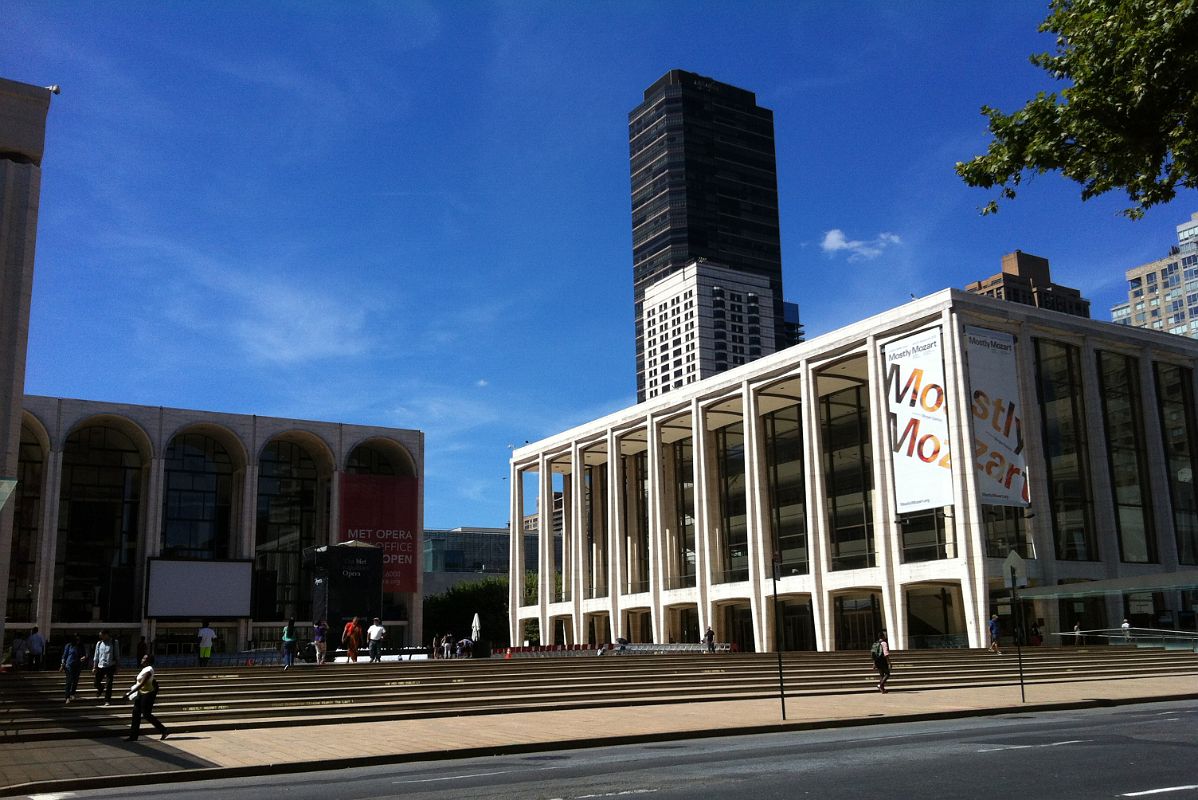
(778,637)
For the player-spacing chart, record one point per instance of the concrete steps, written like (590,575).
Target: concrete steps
(32,708)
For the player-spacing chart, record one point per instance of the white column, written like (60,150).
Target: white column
(705,556)
(760,541)
(515,551)
(578,548)
(545,577)
(1158,490)
(335,507)
(885,529)
(968,525)
(656,516)
(615,534)
(1103,509)
(249,514)
(817,509)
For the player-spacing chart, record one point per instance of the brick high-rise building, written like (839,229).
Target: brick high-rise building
(1025,278)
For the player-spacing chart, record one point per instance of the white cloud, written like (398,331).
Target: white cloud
(835,242)
(482,382)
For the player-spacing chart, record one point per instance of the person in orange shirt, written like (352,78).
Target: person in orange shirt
(351,638)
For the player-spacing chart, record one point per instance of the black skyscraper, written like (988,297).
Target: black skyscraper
(704,186)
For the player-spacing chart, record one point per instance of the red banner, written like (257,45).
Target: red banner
(381,510)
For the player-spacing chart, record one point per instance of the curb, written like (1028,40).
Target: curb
(289,767)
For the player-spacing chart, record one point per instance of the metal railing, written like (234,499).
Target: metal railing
(1133,637)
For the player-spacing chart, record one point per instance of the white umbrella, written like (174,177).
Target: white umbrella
(475,628)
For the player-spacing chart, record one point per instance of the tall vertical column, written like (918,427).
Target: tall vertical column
(615,534)
(23,111)
(1158,490)
(885,528)
(706,504)
(656,516)
(758,530)
(48,549)
(1102,509)
(515,551)
(578,550)
(968,525)
(545,579)
(817,506)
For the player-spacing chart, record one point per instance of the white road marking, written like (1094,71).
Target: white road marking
(1160,791)
(1031,746)
(51,796)
(456,777)
(616,794)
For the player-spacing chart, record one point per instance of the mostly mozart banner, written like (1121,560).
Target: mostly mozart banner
(381,510)
(998,453)
(916,405)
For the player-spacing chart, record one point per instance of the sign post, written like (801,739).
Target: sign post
(1016,577)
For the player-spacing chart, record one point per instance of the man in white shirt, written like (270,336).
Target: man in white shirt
(375,634)
(143,693)
(1126,626)
(205,635)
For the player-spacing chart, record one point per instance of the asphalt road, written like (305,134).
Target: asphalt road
(1148,751)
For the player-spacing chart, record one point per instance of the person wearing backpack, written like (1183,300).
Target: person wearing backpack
(881,656)
(143,693)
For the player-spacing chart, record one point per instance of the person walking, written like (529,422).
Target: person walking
(71,666)
(375,634)
(143,693)
(1126,626)
(994,630)
(37,649)
(709,639)
(881,656)
(320,639)
(289,644)
(351,637)
(204,638)
(105,658)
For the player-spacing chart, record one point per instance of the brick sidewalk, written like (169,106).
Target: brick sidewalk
(55,766)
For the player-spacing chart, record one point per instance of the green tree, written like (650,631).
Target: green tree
(1128,121)
(454,610)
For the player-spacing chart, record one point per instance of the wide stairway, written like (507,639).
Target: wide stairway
(32,707)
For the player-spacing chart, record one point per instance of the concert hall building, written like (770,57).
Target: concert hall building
(884,473)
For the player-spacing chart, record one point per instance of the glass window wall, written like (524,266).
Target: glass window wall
(730,459)
(682,454)
(1175,398)
(97,528)
(1123,420)
(287,523)
(1066,450)
(198,499)
(848,477)
(787,488)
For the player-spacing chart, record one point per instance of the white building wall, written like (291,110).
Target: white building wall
(973,577)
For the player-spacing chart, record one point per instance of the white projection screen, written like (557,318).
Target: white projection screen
(204,589)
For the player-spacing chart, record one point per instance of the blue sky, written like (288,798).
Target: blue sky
(417,214)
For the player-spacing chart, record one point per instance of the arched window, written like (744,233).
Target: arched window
(97,527)
(197,503)
(287,523)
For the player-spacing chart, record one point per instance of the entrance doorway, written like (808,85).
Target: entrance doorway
(858,620)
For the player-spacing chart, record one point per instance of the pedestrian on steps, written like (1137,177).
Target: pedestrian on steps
(881,656)
(143,693)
